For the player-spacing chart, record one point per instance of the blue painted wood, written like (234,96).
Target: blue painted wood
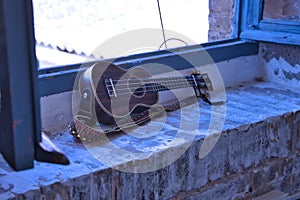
(19,116)
(61,79)
(271,36)
(3,72)
(236,18)
(281,22)
(251,14)
(280,26)
(255,28)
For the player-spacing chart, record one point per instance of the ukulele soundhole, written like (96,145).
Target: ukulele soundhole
(136,86)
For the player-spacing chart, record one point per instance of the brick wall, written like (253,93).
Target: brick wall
(220,19)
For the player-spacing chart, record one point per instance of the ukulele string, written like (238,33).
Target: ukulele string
(158,80)
(154,87)
(154,84)
(145,89)
(149,90)
(168,83)
(137,92)
(162,78)
(139,84)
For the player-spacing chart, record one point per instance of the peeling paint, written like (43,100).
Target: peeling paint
(288,52)
(281,63)
(5,188)
(291,76)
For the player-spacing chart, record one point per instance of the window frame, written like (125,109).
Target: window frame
(20,112)
(254,27)
(54,80)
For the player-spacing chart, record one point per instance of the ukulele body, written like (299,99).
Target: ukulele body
(117,92)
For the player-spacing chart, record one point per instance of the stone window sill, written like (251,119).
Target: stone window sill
(247,106)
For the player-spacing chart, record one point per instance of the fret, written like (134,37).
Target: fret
(152,87)
(156,89)
(171,83)
(194,80)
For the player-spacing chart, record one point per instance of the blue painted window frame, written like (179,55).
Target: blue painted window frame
(253,27)
(20,127)
(59,79)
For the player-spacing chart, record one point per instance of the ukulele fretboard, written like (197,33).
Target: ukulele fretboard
(117,88)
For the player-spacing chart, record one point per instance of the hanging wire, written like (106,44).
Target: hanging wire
(163,31)
(162,25)
(177,39)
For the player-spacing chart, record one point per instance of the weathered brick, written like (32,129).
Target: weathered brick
(220,19)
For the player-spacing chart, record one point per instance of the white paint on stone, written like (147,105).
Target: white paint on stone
(275,70)
(56,111)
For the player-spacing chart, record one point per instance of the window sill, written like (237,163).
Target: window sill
(261,125)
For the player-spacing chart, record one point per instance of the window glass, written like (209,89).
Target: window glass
(68,31)
(282,10)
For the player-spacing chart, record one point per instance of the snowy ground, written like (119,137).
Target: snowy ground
(79,26)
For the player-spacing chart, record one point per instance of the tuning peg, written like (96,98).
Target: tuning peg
(196,72)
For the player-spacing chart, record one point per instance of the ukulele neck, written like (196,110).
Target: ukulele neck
(197,81)
(170,83)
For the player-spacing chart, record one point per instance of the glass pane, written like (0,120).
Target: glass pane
(282,10)
(68,31)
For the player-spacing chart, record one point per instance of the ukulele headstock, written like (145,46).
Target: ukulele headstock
(202,85)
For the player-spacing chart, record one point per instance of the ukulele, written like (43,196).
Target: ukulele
(119,92)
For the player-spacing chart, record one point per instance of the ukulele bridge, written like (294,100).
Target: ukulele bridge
(110,87)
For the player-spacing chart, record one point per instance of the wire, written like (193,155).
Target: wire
(162,26)
(180,40)
(163,31)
